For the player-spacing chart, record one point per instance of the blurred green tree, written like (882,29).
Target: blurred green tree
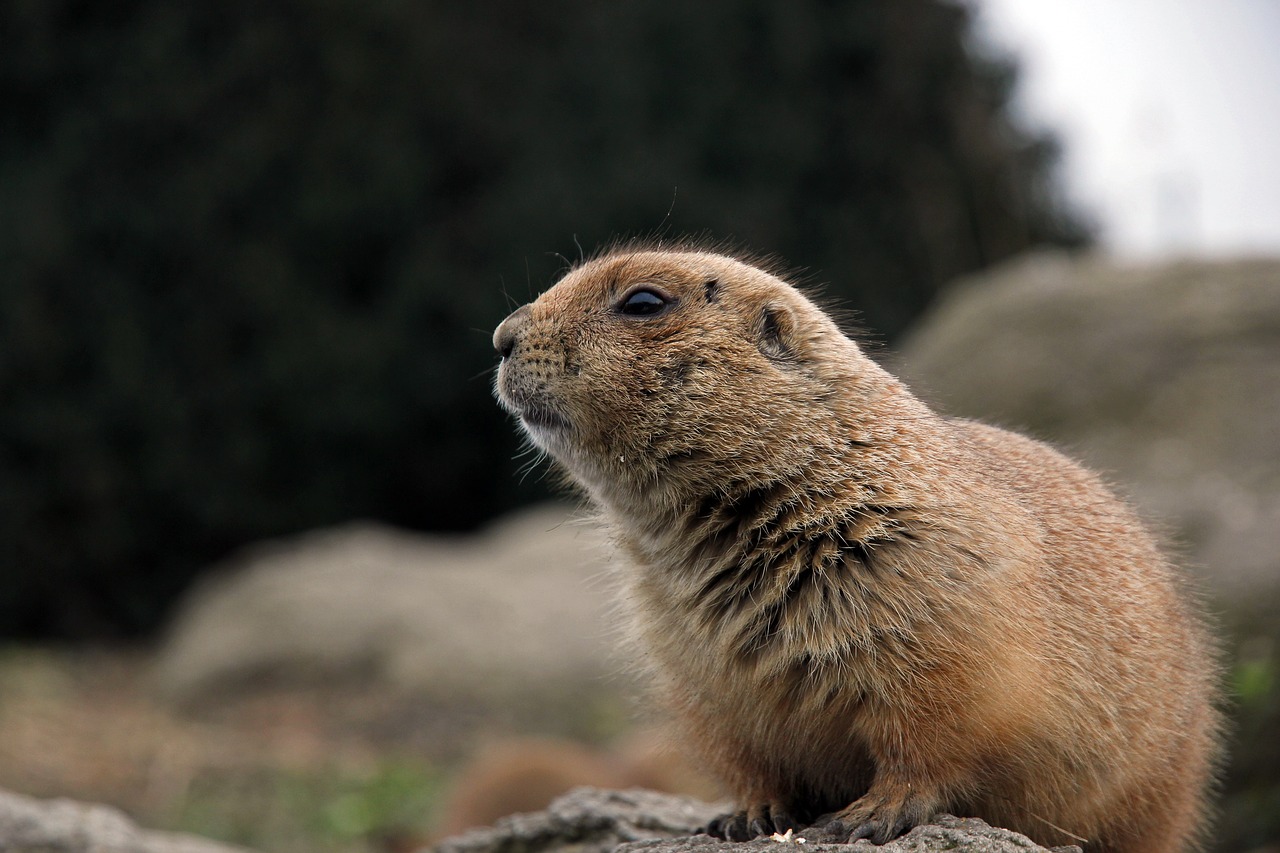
(252,251)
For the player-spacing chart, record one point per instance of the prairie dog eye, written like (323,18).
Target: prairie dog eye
(643,302)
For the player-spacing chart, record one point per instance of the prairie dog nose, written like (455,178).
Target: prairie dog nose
(504,337)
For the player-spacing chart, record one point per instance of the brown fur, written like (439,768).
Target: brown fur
(854,604)
(524,774)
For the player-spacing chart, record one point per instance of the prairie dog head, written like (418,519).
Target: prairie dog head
(661,373)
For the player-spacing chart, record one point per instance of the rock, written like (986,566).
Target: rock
(590,820)
(518,609)
(1163,376)
(29,825)
(587,820)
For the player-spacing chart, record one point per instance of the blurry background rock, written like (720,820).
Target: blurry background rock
(517,613)
(32,826)
(252,255)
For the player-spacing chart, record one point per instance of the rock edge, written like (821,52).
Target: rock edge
(590,820)
(30,825)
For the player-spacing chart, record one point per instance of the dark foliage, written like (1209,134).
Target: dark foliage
(252,251)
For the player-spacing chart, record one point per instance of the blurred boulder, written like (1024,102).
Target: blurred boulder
(520,608)
(1166,377)
(29,825)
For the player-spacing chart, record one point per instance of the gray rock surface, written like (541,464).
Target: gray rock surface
(587,820)
(520,608)
(1166,377)
(590,820)
(29,825)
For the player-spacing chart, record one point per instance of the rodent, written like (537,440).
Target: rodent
(862,612)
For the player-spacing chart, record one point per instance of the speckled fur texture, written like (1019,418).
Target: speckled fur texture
(862,612)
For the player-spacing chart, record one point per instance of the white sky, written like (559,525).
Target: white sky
(1169,111)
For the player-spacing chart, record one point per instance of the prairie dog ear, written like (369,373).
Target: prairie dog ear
(777,334)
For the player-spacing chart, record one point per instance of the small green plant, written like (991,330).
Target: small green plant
(1254,675)
(334,810)
(396,799)
(1251,787)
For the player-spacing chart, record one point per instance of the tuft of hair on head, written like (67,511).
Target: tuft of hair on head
(847,318)
(705,243)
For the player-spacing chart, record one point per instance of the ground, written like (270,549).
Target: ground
(277,768)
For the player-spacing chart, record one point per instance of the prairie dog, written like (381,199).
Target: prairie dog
(862,612)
